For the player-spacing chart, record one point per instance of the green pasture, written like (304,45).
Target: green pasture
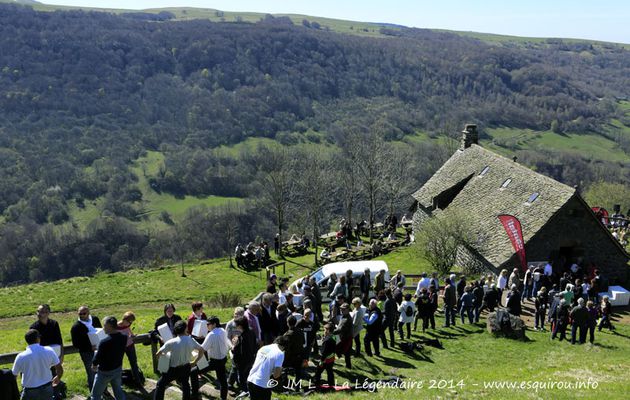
(470,356)
(591,146)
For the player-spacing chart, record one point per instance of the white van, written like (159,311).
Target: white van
(339,268)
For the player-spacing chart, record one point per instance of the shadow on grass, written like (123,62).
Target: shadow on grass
(616,333)
(399,363)
(605,346)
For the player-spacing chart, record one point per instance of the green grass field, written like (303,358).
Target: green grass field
(470,356)
(505,140)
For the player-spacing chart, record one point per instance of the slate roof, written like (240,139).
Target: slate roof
(483,198)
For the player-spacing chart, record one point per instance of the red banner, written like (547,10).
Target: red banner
(513,228)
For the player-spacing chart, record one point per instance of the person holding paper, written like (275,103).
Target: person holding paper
(34,364)
(80,332)
(108,360)
(197,314)
(169,318)
(180,349)
(217,346)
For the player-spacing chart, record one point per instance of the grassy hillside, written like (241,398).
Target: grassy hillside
(359,28)
(589,146)
(153,203)
(470,358)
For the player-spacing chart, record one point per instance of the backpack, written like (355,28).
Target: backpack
(409,311)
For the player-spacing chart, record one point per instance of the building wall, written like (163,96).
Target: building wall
(421,215)
(573,226)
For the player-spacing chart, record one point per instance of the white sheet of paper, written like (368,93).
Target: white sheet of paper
(164,362)
(56,348)
(201,328)
(203,361)
(95,338)
(165,332)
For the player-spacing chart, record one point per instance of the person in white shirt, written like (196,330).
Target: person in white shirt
(406,310)
(502,284)
(34,364)
(282,292)
(180,349)
(548,271)
(266,370)
(425,282)
(217,346)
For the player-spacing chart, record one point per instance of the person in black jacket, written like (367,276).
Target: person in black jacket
(491,298)
(169,318)
(294,348)
(541,303)
(461,288)
(327,356)
(365,283)
(478,299)
(424,306)
(390,312)
(514,302)
(561,320)
(8,385)
(108,361)
(344,330)
(243,351)
(79,333)
(579,314)
(268,320)
(373,319)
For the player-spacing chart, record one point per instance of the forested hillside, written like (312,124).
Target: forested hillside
(85,95)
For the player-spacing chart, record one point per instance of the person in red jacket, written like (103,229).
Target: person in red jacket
(197,314)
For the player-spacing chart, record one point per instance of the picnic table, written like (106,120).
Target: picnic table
(328,238)
(288,244)
(389,245)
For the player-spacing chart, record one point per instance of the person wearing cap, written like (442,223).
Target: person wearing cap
(35,364)
(216,345)
(344,330)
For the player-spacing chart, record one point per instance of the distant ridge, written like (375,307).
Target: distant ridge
(337,25)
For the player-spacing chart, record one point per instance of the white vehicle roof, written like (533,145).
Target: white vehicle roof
(340,268)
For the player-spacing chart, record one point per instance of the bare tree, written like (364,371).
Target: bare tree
(347,180)
(316,191)
(369,152)
(397,183)
(276,174)
(229,226)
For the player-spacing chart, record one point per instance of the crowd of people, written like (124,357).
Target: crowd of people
(277,337)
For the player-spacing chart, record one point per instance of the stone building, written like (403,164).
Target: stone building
(557,223)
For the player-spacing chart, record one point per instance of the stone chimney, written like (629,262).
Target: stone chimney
(469,136)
